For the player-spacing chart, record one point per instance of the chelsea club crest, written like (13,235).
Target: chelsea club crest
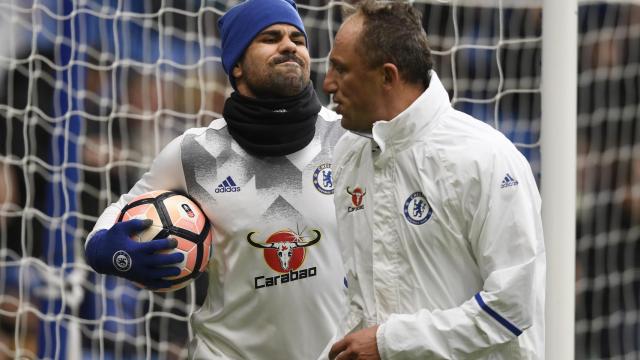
(417,209)
(323,180)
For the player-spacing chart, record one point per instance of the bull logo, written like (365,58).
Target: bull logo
(357,196)
(284,250)
(188,210)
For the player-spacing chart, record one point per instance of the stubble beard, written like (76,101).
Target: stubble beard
(278,83)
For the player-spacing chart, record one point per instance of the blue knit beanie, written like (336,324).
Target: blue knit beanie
(243,22)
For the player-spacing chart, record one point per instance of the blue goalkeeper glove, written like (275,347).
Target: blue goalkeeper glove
(114,252)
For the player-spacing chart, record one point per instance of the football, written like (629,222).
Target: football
(174,216)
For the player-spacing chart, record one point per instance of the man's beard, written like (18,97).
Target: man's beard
(279,81)
(277,84)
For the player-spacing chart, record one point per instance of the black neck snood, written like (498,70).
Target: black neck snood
(272,127)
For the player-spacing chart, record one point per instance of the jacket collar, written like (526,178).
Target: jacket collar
(411,123)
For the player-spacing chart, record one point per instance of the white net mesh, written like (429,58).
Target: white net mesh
(91,90)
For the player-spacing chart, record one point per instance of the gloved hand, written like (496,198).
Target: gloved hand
(114,252)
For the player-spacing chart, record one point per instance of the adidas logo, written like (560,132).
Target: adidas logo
(228,185)
(508,181)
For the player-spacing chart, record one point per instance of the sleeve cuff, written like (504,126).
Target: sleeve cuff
(380,340)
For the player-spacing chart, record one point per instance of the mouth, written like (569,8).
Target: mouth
(289,63)
(289,60)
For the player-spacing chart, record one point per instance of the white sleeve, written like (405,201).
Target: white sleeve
(165,174)
(504,229)
(353,317)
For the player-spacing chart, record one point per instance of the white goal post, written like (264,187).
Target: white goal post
(558,182)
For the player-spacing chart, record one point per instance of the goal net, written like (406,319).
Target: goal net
(90,91)
(608,213)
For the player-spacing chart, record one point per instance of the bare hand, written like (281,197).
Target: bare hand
(361,345)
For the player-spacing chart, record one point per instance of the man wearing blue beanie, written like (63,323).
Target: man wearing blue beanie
(237,33)
(262,174)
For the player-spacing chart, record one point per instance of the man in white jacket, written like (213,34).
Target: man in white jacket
(447,258)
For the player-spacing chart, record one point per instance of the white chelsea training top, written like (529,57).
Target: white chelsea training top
(260,304)
(447,250)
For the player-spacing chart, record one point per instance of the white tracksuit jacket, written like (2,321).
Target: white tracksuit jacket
(446,250)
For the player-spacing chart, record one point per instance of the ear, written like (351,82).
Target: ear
(391,75)
(236,72)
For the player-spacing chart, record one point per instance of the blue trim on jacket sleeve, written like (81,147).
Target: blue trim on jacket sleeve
(497,316)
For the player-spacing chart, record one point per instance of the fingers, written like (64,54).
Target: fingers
(337,348)
(158,245)
(135,225)
(159,278)
(342,356)
(346,355)
(165,272)
(165,259)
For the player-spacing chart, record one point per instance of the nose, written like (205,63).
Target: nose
(329,84)
(287,45)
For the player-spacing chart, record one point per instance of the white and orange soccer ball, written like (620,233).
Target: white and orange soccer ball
(175,216)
